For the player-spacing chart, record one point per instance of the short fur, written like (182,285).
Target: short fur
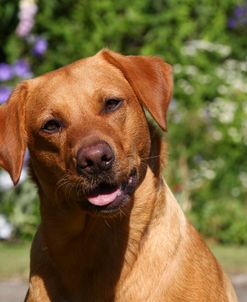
(144,250)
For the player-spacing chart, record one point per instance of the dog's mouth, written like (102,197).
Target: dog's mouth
(108,197)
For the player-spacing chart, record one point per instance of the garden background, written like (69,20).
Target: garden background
(205,41)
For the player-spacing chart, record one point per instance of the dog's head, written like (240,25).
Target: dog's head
(85,127)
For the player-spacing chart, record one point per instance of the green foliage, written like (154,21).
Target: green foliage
(223,220)
(22,209)
(207,118)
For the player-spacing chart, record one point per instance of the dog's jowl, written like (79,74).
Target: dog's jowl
(110,229)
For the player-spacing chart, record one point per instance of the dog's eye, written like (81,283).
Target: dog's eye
(52,126)
(112,104)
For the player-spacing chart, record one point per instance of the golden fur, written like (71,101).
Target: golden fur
(145,250)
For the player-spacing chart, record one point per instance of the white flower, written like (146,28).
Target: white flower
(28,10)
(217,135)
(223,89)
(235,192)
(234,134)
(233,73)
(191,70)
(6,228)
(194,46)
(223,110)
(243,66)
(209,174)
(6,182)
(186,87)
(207,170)
(177,68)
(204,79)
(226,117)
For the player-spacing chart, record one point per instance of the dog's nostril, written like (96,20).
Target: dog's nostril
(106,158)
(106,161)
(89,163)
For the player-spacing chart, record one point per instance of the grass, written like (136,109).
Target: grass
(14,259)
(232,258)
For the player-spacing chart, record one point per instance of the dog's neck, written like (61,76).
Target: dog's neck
(115,241)
(76,223)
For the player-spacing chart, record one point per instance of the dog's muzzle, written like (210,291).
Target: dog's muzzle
(95,163)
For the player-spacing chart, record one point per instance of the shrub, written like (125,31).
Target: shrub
(223,221)
(22,209)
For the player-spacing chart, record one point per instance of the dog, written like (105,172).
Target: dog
(110,230)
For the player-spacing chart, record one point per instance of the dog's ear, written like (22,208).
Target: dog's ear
(12,133)
(150,78)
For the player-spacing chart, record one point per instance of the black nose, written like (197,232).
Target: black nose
(95,158)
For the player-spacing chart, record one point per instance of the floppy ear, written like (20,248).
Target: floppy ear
(150,78)
(12,133)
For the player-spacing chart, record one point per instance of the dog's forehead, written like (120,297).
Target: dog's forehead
(83,79)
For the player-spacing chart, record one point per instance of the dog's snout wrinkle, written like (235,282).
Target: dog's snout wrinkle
(95,158)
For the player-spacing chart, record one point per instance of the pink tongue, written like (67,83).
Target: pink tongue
(104,199)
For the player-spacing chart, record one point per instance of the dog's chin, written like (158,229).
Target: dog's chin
(108,198)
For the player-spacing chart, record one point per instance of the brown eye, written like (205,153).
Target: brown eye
(52,126)
(112,104)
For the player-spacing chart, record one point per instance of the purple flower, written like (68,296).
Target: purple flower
(239,11)
(4,93)
(239,17)
(21,68)
(24,28)
(232,23)
(5,72)
(40,47)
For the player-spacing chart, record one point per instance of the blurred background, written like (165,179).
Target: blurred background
(206,42)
